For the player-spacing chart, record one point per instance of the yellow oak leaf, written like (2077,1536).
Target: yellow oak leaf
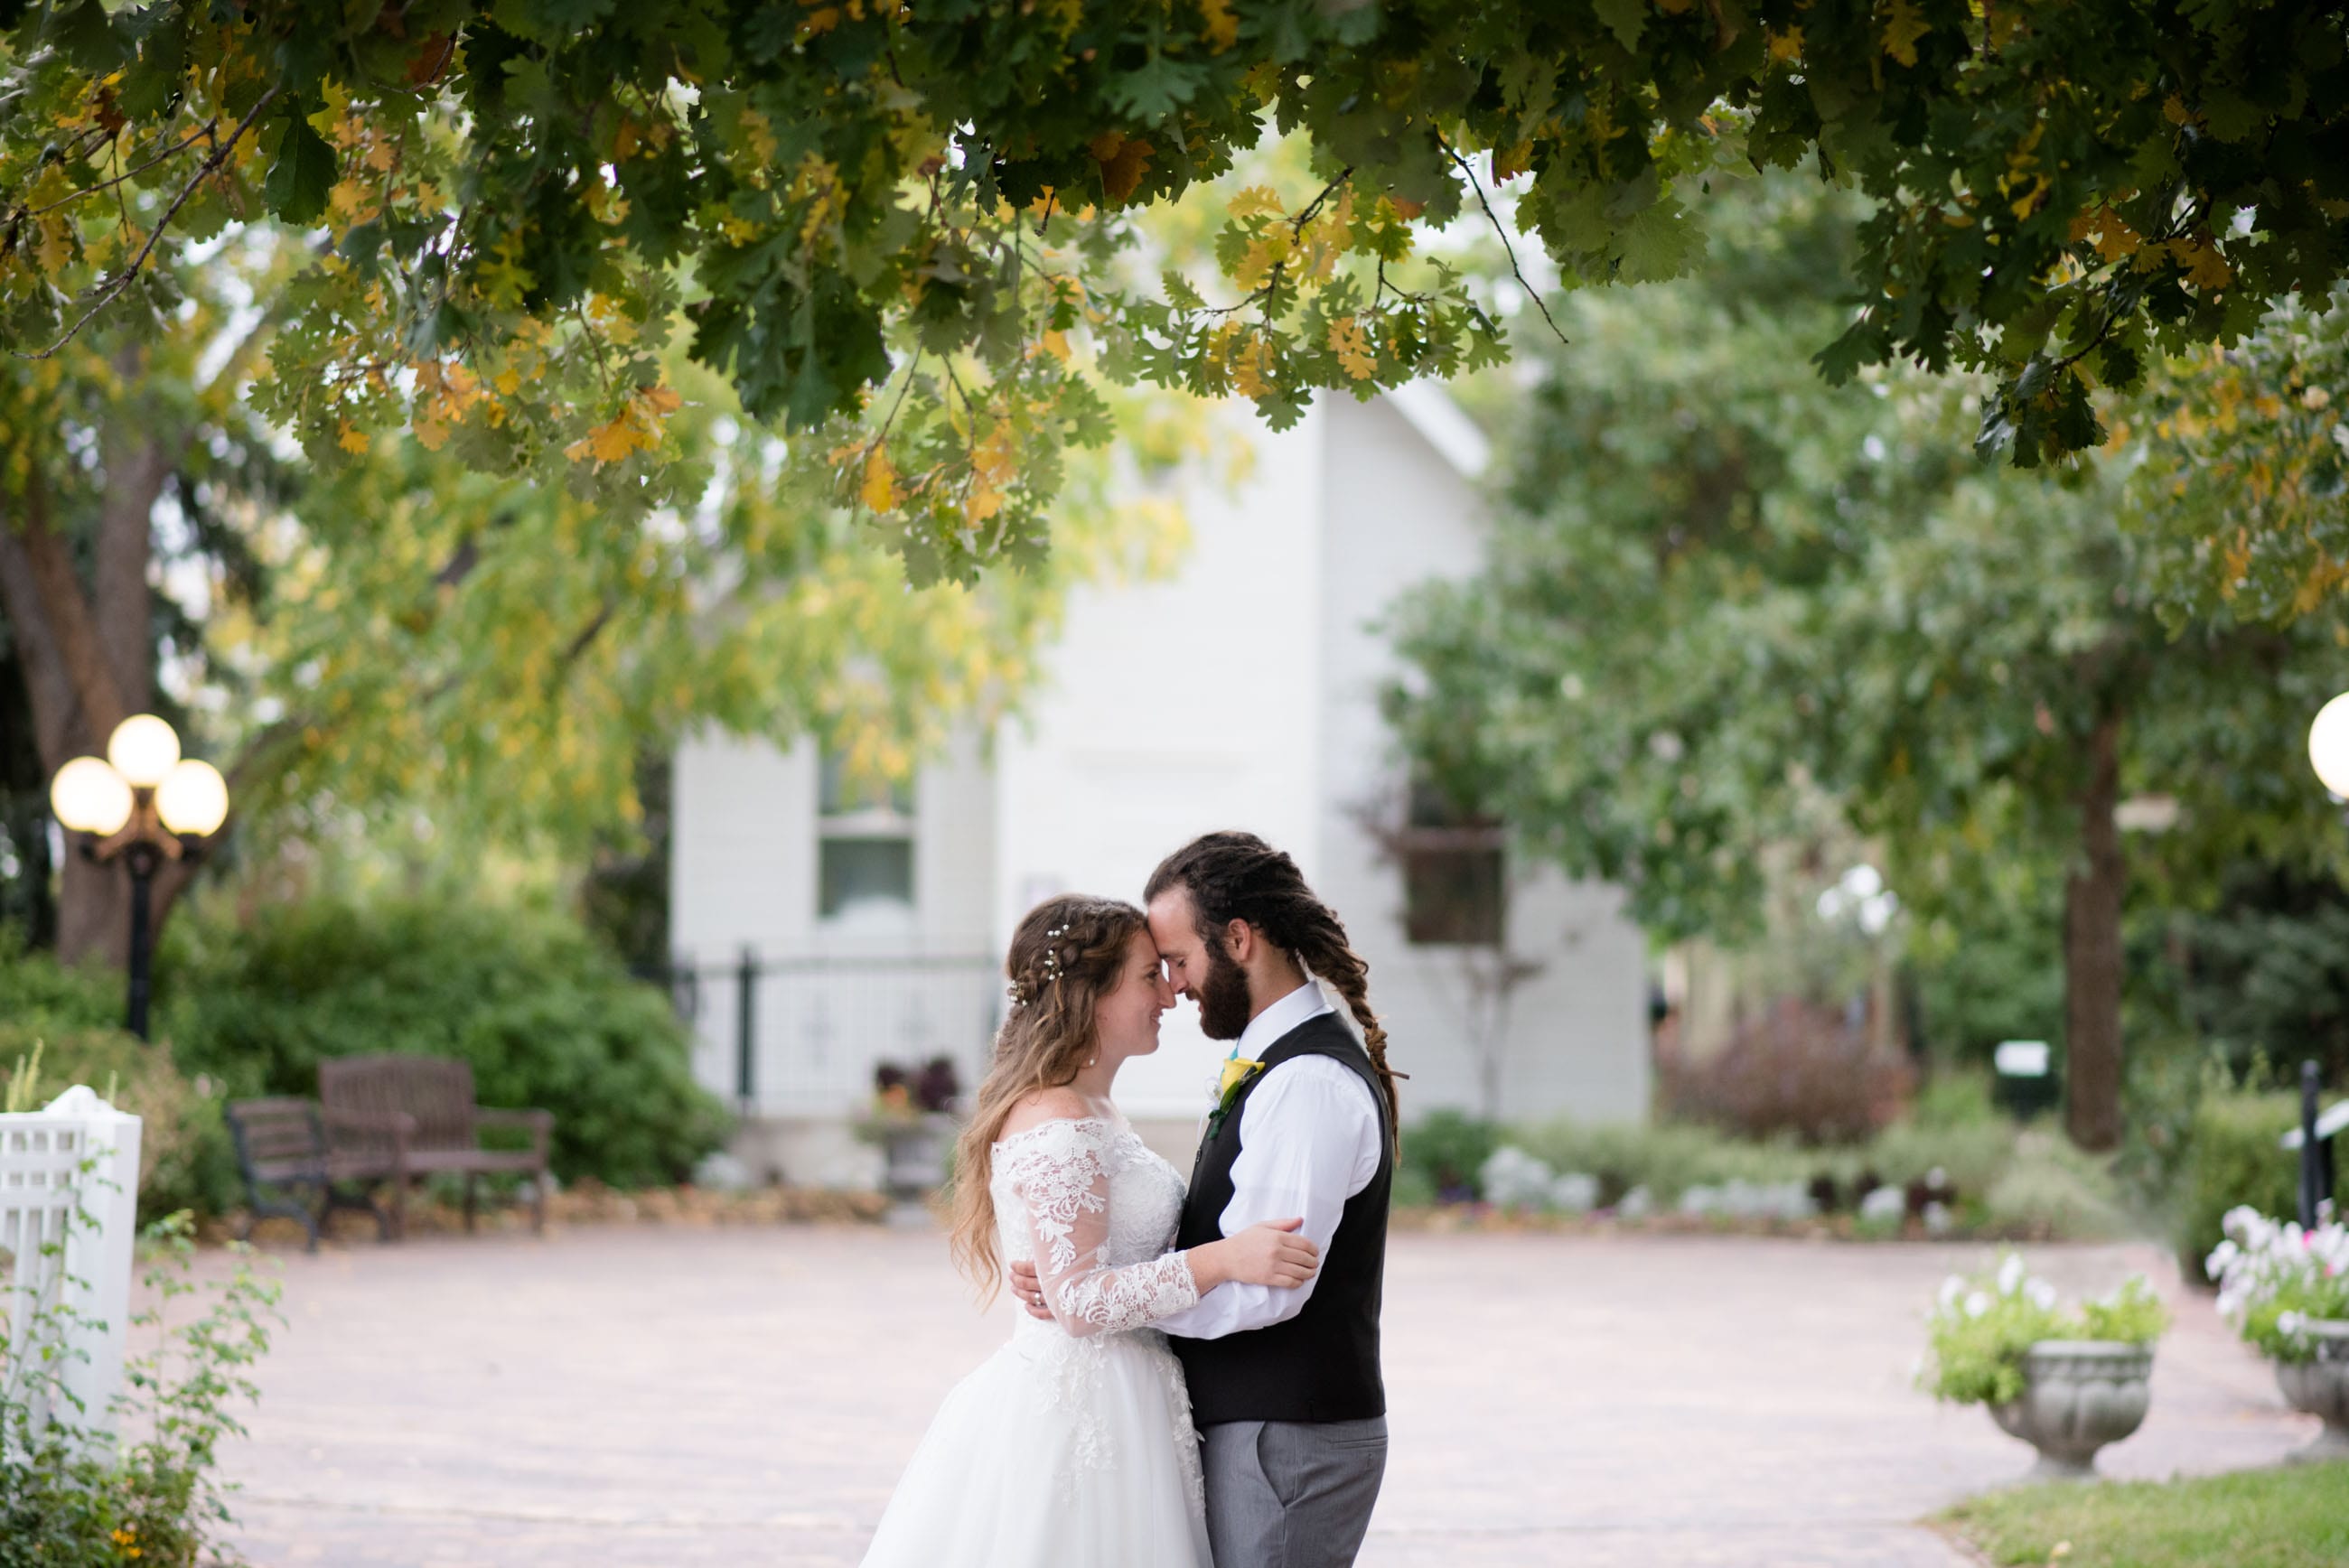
(612,442)
(1254,199)
(879,490)
(53,245)
(1266,252)
(1904,25)
(660,399)
(351,438)
(1508,162)
(1352,346)
(1223,28)
(2205,267)
(431,435)
(1122,167)
(1787,46)
(1252,368)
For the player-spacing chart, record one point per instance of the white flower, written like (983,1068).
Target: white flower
(1977,1304)
(1952,1288)
(2042,1294)
(2010,1274)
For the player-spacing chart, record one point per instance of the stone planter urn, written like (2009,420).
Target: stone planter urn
(2077,1395)
(2321,1387)
(915,1156)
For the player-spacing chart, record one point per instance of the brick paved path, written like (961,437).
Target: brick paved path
(646,1397)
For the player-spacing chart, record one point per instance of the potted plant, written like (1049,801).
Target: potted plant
(2067,1382)
(2286,1290)
(911,1120)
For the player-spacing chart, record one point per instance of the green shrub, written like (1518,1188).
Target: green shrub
(544,1016)
(1973,1157)
(1956,1097)
(2053,1188)
(1412,1189)
(2231,1158)
(1668,1158)
(1444,1150)
(39,993)
(185,1158)
(70,1498)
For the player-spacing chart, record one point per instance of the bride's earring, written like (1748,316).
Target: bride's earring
(1093,1061)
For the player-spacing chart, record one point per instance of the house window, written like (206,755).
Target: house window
(864,844)
(1455,891)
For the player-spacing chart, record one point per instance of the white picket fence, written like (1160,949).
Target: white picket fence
(76,1153)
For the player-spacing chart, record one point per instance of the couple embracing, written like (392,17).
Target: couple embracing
(1196,1384)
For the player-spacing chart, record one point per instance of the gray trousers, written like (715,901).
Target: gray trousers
(1291,1494)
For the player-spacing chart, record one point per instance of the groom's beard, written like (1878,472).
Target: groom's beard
(1224,998)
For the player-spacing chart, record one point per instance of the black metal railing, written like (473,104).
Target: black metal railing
(802,1035)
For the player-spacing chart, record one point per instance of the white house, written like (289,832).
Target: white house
(1241,692)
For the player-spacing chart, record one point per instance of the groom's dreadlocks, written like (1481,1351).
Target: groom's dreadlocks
(1238,876)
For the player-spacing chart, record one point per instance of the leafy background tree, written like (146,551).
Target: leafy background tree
(1722,588)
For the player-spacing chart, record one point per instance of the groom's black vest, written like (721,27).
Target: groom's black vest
(1323,1364)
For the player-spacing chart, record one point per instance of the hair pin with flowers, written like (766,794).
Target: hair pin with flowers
(1023,991)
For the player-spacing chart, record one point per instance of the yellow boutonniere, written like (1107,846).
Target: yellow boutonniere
(1236,1072)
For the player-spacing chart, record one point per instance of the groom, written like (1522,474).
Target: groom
(1285,1384)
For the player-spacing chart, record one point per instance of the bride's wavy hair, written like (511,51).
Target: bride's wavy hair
(1068,954)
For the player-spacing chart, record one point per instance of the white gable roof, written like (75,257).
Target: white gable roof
(1429,410)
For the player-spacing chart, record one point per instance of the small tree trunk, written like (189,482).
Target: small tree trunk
(2092,955)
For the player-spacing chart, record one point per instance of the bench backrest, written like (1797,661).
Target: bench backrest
(437,1092)
(276,1139)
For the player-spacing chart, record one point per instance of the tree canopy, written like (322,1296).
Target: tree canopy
(403,633)
(910,230)
(1722,591)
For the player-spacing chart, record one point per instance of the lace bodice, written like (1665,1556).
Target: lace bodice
(1095,1210)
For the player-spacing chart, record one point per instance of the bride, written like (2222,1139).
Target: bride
(1072,1446)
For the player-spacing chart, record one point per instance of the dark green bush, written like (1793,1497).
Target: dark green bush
(2231,1158)
(39,993)
(544,1015)
(1444,1150)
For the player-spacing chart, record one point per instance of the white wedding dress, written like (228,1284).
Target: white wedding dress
(1071,1446)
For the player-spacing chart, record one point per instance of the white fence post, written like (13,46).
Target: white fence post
(83,1263)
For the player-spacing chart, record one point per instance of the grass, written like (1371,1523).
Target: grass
(2296,1516)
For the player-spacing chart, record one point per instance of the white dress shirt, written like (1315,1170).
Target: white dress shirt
(1310,1139)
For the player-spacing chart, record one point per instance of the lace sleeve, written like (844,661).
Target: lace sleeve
(1060,1173)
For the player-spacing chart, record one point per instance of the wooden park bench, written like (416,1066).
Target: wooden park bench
(415,1116)
(289,1170)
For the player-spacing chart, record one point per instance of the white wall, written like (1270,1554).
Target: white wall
(1172,709)
(1242,692)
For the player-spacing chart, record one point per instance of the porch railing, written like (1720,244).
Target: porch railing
(801,1036)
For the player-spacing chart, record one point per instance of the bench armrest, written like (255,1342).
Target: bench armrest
(541,1124)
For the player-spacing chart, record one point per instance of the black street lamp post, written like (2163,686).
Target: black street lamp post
(144,805)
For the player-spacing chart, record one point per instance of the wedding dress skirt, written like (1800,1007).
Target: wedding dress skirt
(1071,1446)
(1055,1453)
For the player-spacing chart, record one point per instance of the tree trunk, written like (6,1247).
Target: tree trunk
(2092,954)
(87,653)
